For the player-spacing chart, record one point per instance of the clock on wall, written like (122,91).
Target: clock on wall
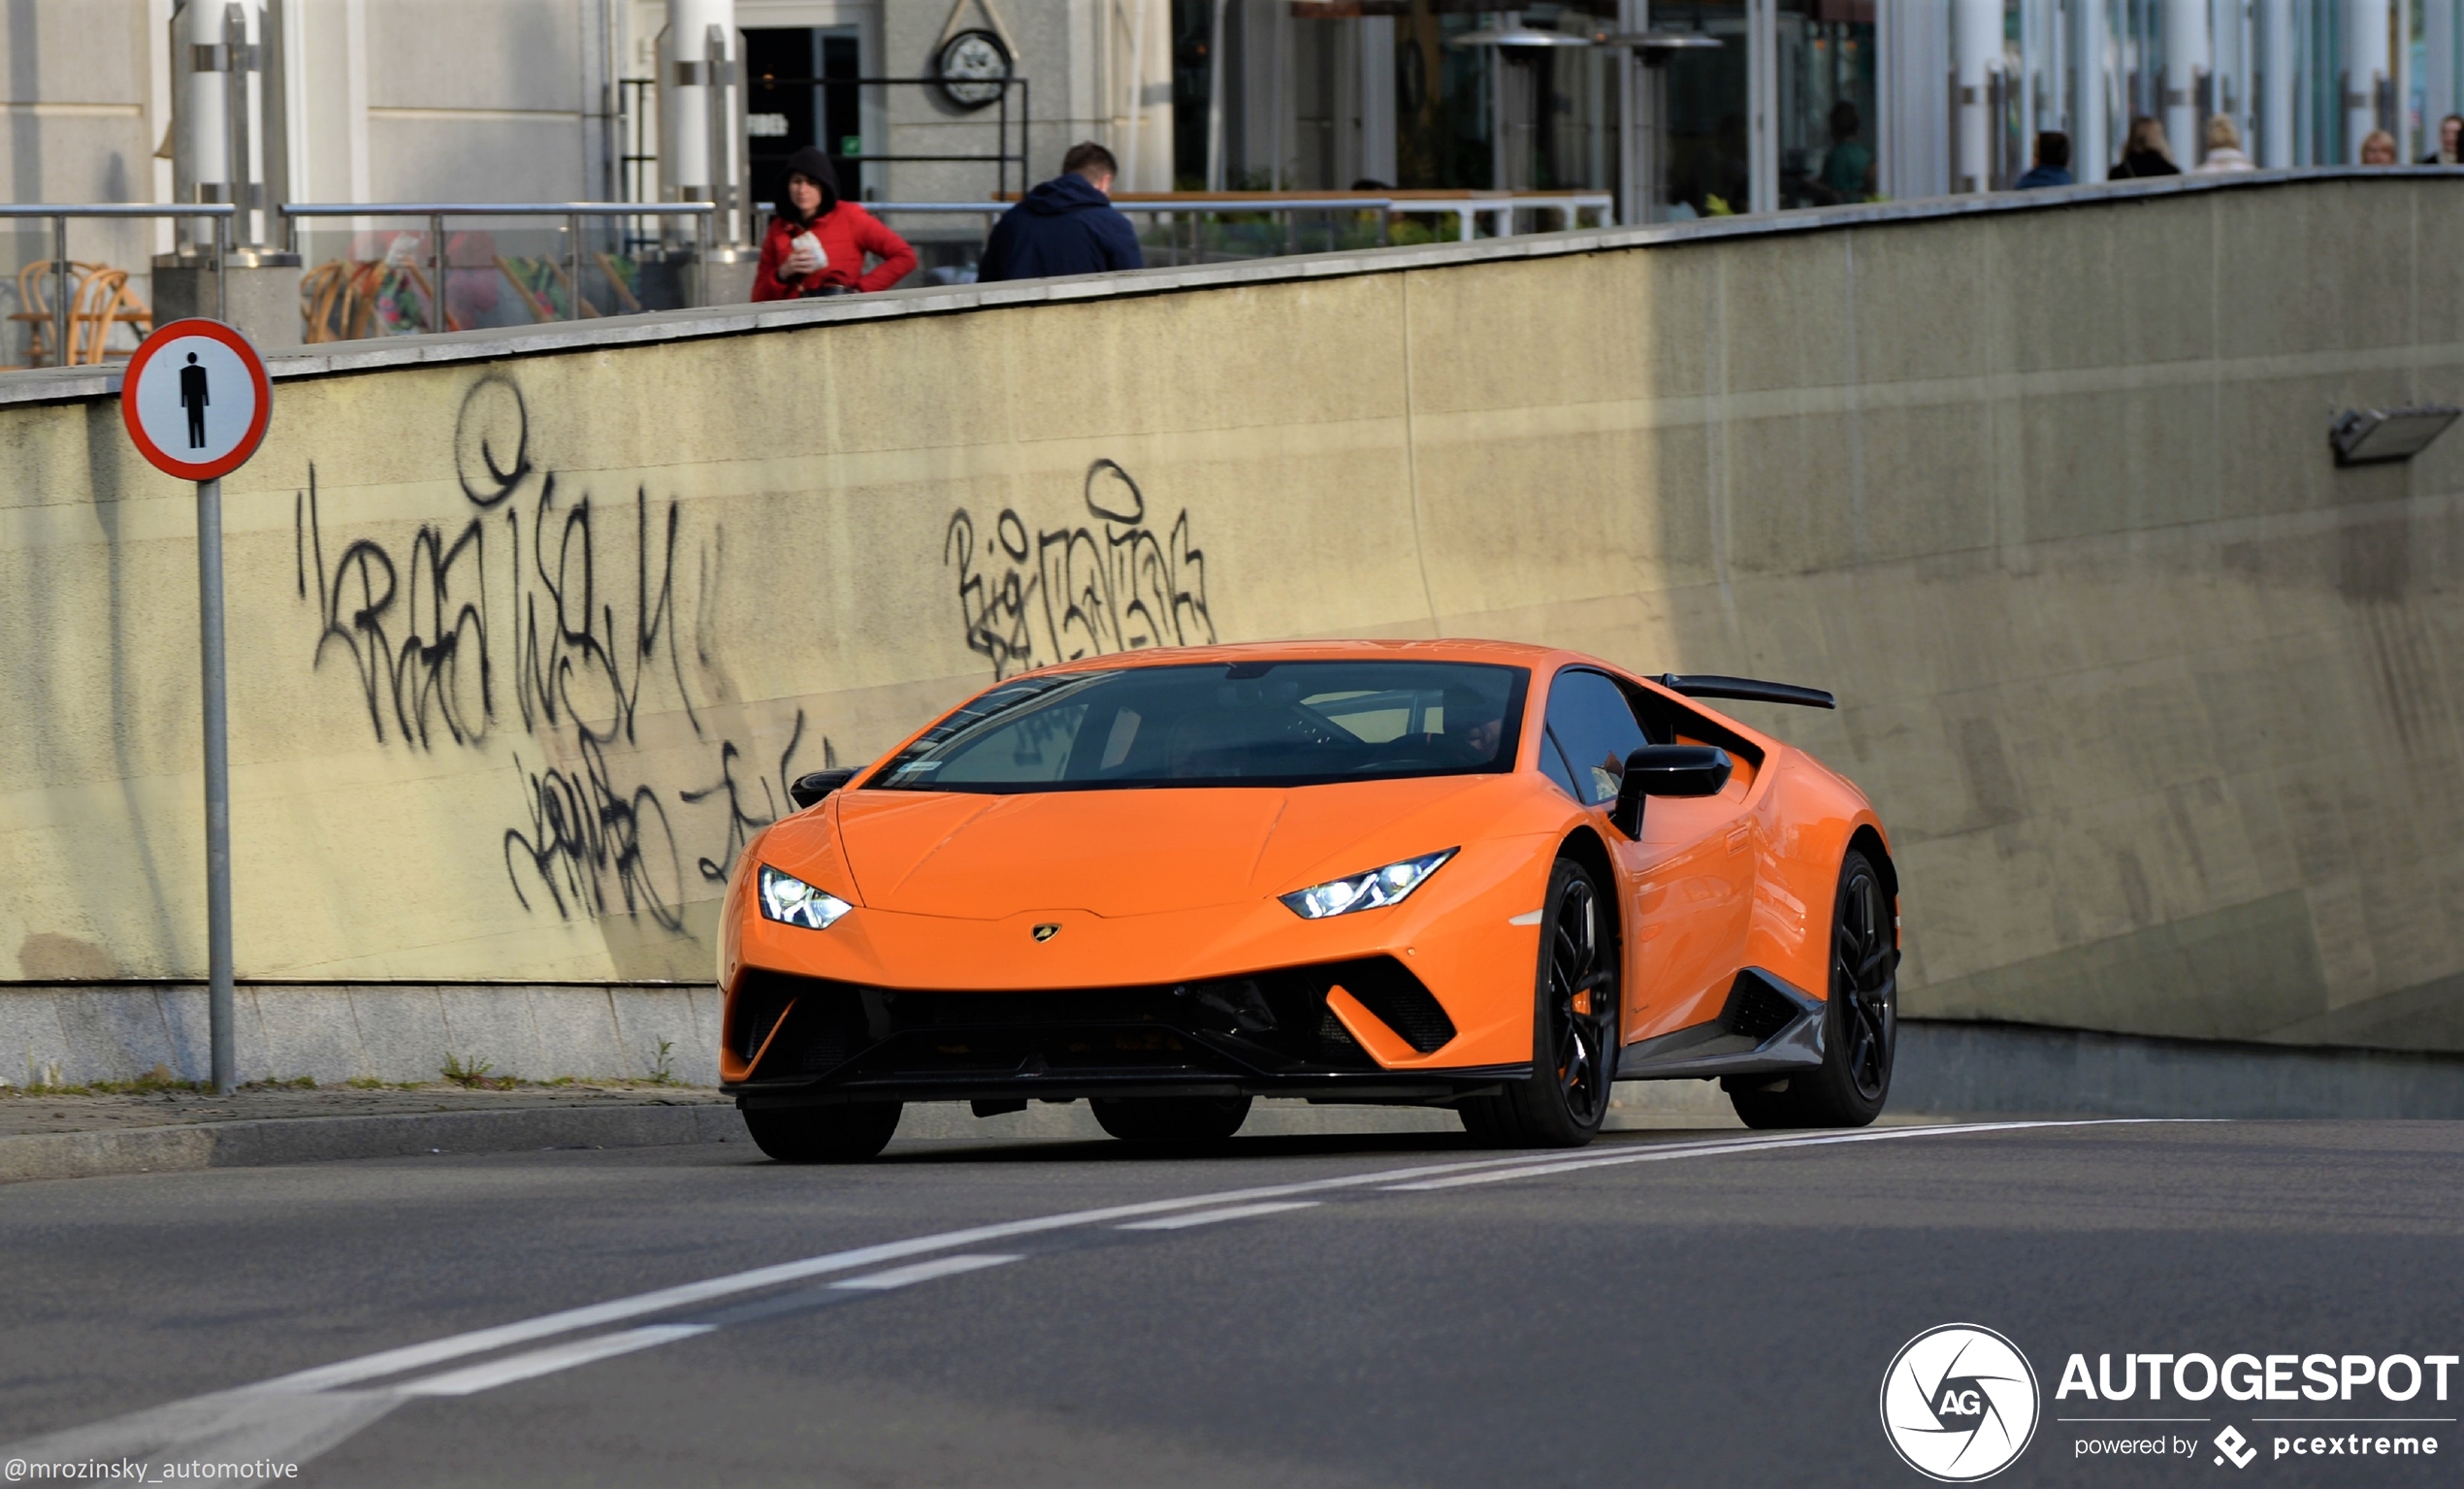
(972,68)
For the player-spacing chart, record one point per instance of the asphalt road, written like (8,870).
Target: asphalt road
(1662,1308)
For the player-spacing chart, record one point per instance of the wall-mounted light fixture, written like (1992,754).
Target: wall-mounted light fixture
(2370,437)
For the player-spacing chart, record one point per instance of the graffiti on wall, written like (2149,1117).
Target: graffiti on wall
(1030,597)
(541,612)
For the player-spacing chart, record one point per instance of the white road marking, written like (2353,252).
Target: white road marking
(1697,1149)
(1209,1216)
(410,1357)
(269,1412)
(923,1271)
(548,1361)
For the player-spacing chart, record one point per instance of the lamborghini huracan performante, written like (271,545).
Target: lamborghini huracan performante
(1467,874)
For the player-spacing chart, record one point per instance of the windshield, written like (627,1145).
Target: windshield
(1219,724)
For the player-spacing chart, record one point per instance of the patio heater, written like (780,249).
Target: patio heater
(1644,161)
(701,145)
(230,140)
(1511,37)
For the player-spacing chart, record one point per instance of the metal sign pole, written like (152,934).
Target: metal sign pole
(218,785)
(196,403)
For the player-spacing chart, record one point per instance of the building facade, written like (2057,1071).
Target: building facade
(1679,107)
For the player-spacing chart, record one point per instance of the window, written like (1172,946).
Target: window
(1243,724)
(1590,721)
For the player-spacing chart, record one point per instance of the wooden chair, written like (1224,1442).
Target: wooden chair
(35,308)
(339,299)
(625,301)
(98,297)
(538,280)
(132,312)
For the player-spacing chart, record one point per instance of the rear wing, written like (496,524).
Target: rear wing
(1712,685)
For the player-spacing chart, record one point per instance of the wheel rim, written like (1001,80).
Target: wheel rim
(1577,973)
(1862,961)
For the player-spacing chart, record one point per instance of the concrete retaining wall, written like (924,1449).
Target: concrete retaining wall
(529,631)
(77,1034)
(1966,1067)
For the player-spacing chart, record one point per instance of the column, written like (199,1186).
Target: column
(2369,74)
(2188,63)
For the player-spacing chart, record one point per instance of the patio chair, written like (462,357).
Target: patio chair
(35,308)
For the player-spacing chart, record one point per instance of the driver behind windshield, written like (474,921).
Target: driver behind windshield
(1473,722)
(1285,723)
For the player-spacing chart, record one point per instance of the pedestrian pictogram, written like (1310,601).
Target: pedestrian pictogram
(196,400)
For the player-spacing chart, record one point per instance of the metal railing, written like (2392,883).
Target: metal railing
(1466,209)
(59,214)
(440,262)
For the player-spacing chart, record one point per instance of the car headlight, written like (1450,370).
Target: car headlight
(1365,891)
(791,902)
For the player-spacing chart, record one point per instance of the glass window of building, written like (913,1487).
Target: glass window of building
(1827,121)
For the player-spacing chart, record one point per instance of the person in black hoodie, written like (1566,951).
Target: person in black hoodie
(1067,225)
(2146,153)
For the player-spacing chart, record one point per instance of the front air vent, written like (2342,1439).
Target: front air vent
(1388,989)
(754,1012)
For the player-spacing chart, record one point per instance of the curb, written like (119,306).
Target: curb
(269,1140)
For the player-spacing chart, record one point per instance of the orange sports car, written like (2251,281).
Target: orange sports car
(1469,874)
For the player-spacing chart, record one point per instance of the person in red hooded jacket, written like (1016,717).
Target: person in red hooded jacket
(817,243)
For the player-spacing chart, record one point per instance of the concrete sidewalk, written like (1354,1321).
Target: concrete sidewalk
(148,1131)
(153,1132)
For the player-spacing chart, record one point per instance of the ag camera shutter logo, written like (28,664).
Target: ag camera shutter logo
(1959,1402)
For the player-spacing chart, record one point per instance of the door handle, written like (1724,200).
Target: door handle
(1740,835)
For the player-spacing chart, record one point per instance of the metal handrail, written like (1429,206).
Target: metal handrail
(60,212)
(438,212)
(1466,209)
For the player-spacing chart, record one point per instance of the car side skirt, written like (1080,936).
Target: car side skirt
(1767,1026)
(1433,1087)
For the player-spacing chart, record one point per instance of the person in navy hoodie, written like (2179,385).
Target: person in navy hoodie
(1067,225)
(2052,163)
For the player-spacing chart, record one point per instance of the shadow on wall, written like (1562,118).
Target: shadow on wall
(2112,664)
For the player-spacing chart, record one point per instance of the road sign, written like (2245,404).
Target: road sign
(195,399)
(196,403)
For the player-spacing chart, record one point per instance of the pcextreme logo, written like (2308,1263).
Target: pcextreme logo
(1959,1402)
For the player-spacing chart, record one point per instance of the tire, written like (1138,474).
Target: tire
(1573,1026)
(847,1134)
(1861,1018)
(1171,1119)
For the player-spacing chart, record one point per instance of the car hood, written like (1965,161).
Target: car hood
(1124,853)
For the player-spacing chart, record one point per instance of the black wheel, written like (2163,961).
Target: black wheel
(1860,1024)
(1171,1119)
(1573,1026)
(847,1134)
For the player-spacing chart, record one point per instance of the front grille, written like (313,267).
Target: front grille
(1275,1023)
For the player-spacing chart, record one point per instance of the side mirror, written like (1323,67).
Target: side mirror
(1667,770)
(809,789)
